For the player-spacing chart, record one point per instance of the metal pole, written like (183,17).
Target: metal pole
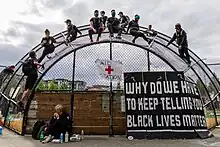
(148,60)
(73,90)
(111,134)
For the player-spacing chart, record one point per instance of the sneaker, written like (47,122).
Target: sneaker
(149,42)
(189,62)
(65,42)
(133,41)
(118,37)
(42,67)
(49,57)
(48,139)
(111,36)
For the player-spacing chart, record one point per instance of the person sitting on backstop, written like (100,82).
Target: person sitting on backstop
(48,43)
(113,25)
(124,20)
(72,31)
(96,26)
(103,18)
(134,30)
(60,123)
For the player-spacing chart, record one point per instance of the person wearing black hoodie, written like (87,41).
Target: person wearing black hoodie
(135,30)
(48,43)
(72,31)
(31,77)
(181,39)
(113,25)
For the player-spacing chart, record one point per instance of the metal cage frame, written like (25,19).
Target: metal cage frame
(160,37)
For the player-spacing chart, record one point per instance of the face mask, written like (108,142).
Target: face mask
(136,19)
(96,14)
(113,14)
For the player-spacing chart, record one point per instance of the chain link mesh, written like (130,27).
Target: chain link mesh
(134,59)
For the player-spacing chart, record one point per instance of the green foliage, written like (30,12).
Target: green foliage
(52,86)
(63,86)
(41,86)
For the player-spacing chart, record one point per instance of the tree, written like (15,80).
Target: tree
(52,85)
(63,86)
(41,86)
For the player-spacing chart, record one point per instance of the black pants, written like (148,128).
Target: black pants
(137,34)
(114,29)
(123,26)
(47,50)
(71,38)
(55,129)
(184,50)
(30,81)
(98,31)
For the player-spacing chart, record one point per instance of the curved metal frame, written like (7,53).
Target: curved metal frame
(86,27)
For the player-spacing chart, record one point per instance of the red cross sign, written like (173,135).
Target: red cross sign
(109,70)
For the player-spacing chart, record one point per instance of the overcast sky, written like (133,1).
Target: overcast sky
(23,21)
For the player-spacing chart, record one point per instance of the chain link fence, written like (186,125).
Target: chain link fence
(58,75)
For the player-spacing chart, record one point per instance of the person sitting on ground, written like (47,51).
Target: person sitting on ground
(134,30)
(103,18)
(181,39)
(60,123)
(30,70)
(151,32)
(72,31)
(124,20)
(48,43)
(113,25)
(96,26)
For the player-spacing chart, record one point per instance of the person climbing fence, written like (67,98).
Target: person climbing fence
(181,39)
(30,69)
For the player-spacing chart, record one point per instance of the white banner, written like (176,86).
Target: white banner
(109,68)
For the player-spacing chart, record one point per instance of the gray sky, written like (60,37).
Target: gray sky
(23,22)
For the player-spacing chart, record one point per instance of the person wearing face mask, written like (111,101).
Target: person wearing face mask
(48,43)
(124,20)
(72,31)
(181,39)
(96,26)
(103,18)
(113,25)
(135,31)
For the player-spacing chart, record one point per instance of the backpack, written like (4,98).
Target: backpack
(42,130)
(26,67)
(127,18)
(37,126)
